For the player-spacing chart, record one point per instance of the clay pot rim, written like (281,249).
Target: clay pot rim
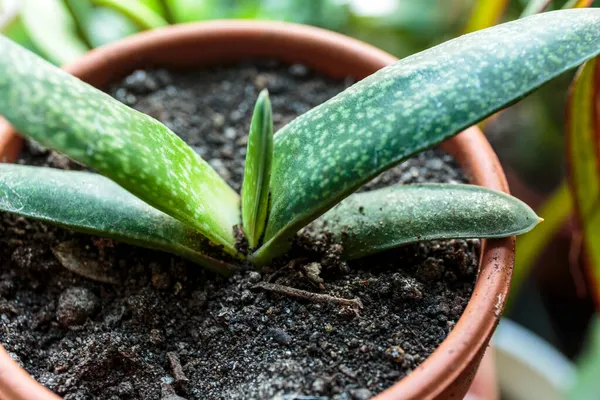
(335,55)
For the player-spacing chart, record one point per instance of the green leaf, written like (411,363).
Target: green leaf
(366,223)
(92,204)
(257,173)
(144,16)
(485,13)
(133,149)
(81,11)
(161,7)
(9,13)
(587,385)
(193,10)
(155,5)
(583,147)
(329,152)
(15,31)
(107,25)
(52,30)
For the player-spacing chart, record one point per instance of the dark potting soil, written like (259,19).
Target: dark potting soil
(166,329)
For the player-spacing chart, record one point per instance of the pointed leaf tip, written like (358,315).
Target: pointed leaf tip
(370,222)
(257,173)
(326,154)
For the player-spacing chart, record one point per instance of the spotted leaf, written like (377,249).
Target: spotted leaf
(366,223)
(326,154)
(257,173)
(93,204)
(134,150)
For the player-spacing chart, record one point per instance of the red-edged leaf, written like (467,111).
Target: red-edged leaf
(583,147)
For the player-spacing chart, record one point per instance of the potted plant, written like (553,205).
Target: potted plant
(449,370)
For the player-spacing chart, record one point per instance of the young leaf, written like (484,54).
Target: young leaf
(583,147)
(366,223)
(257,173)
(326,154)
(134,150)
(142,15)
(52,30)
(93,204)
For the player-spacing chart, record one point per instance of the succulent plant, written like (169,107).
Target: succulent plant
(151,189)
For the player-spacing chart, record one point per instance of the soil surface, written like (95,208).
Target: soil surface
(164,328)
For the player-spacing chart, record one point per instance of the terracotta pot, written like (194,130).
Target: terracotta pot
(448,372)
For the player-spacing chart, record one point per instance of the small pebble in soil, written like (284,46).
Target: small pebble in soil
(281,337)
(361,394)
(395,353)
(75,305)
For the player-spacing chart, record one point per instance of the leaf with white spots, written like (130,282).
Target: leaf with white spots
(366,223)
(257,173)
(93,204)
(329,152)
(136,151)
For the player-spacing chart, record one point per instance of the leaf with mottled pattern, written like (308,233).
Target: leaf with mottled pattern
(133,149)
(93,204)
(329,152)
(366,223)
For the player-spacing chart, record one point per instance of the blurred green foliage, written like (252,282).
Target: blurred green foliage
(400,27)
(587,384)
